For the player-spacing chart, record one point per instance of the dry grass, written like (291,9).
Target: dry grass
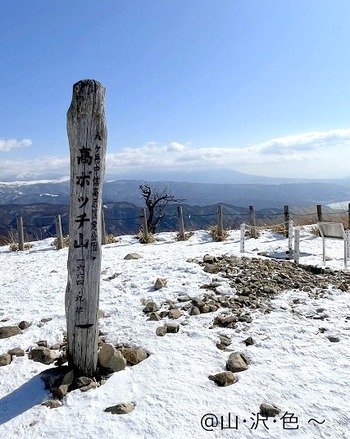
(14,246)
(185,237)
(145,240)
(214,231)
(65,242)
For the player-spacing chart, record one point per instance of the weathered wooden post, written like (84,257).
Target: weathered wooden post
(87,133)
(296,245)
(242,238)
(59,234)
(286,220)
(180,218)
(252,221)
(20,233)
(103,227)
(319,213)
(220,222)
(349,216)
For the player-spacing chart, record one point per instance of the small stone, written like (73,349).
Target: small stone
(237,362)
(154,317)
(224,379)
(150,307)
(161,331)
(53,403)
(174,313)
(209,259)
(90,386)
(249,341)
(5,359)
(333,338)
(134,355)
(172,328)
(226,341)
(183,298)
(43,355)
(195,311)
(130,256)
(9,331)
(121,409)
(269,410)
(24,325)
(110,358)
(160,283)
(83,381)
(16,352)
(42,343)
(61,391)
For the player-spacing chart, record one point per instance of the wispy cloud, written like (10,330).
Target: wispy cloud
(8,144)
(313,154)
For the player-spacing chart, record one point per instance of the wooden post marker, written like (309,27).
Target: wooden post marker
(252,221)
(20,233)
(59,234)
(180,219)
(87,133)
(220,221)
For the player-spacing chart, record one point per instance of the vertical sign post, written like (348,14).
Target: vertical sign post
(87,134)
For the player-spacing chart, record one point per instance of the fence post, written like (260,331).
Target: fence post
(87,134)
(103,227)
(349,216)
(252,220)
(144,224)
(20,233)
(220,222)
(181,222)
(319,213)
(242,238)
(296,245)
(290,238)
(286,220)
(59,234)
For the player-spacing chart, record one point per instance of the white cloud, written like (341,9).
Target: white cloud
(8,144)
(307,155)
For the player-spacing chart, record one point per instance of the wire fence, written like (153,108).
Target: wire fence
(37,227)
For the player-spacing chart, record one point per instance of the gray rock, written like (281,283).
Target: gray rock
(249,341)
(134,355)
(110,358)
(174,313)
(52,403)
(5,359)
(224,379)
(195,311)
(121,409)
(24,325)
(9,331)
(269,410)
(131,256)
(161,331)
(43,355)
(154,317)
(150,307)
(172,328)
(160,283)
(333,338)
(16,352)
(237,362)
(61,391)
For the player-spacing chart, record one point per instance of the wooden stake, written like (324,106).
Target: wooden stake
(252,221)
(181,222)
(59,234)
(20,233)
(286,220)
(87,133)
(220,222)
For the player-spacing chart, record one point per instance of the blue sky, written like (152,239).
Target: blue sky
(258,86)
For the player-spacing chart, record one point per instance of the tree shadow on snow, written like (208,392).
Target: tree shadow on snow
(22,399)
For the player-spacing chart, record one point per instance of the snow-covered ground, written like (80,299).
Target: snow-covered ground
(293,364)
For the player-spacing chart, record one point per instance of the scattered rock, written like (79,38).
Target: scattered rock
(160,283)
(42,343)
(224,379)
(333,338)
(154,317)
(110,358)
(43,355)
(130,256)
(55,376)
(237,362)
(249,341)
(183,298)
(269,410)
(174,313)
(61,391)
(16,352)
(150,307)
(24,325)
(194,311)
(134,355)
(121,409)
(52,403)
(9,331)
(172,328)
(5,359)
(161,331)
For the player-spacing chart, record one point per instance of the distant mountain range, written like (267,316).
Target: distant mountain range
(38,202)
(201,194)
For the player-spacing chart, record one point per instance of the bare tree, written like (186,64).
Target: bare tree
(156,200)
